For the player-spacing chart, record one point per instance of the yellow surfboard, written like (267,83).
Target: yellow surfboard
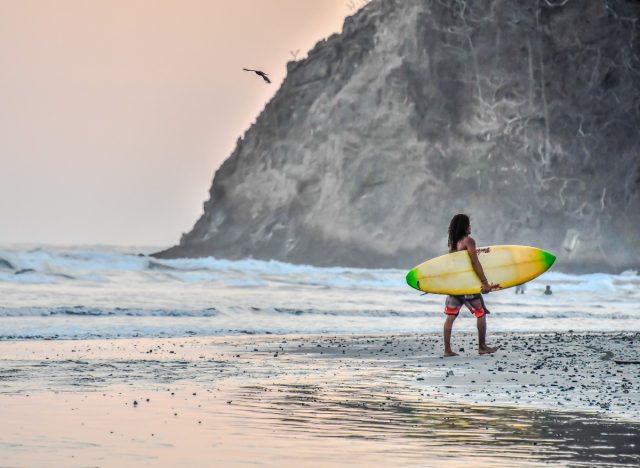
(506,265)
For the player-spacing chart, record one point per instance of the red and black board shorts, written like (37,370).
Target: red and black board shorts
(474,302)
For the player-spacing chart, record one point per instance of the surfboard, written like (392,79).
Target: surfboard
(506,265)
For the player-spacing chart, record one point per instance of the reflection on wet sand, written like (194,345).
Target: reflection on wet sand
(421,429)
(300,401)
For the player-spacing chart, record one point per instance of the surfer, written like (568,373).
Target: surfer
(460,239)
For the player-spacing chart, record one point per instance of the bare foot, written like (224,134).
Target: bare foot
(488,350)
(450,353)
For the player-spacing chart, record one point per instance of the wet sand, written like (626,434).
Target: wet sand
(321,401)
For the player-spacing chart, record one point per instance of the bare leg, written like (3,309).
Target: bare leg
(482,333)
(448,325)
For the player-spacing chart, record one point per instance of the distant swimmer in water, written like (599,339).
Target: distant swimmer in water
(548,291)
(460,239)
(264,76)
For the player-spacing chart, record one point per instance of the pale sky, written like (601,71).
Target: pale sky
(115,114)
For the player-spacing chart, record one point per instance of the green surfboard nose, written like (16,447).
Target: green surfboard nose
(548,258)
(412,279)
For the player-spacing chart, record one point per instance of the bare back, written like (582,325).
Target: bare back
(463,244)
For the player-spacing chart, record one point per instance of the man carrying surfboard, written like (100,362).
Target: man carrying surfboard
(460,239)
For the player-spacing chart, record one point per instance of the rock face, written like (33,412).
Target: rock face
(523,114)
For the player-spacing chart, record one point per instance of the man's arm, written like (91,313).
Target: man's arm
(470,244)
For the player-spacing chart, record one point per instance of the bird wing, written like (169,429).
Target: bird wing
(264,76)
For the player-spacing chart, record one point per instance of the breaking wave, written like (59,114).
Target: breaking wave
(72,293)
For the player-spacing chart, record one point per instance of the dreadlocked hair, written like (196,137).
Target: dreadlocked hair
(458,228)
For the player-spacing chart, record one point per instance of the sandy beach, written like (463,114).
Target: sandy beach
(234,233)
(321,400)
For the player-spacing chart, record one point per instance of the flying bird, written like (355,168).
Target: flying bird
(264,76)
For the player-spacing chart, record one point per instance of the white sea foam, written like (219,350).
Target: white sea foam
(116,292)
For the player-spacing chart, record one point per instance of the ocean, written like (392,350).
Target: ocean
(116,292)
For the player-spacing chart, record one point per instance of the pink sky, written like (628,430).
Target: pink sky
(114,114)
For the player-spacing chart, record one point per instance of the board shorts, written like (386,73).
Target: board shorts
(474,302)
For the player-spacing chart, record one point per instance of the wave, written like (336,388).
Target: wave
(75,293)
(81,311)
(6,264)
(53,265)
(246,314)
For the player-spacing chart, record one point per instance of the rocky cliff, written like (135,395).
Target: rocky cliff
(524,114)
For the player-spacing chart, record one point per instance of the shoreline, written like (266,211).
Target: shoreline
(363,399)
(541,370)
